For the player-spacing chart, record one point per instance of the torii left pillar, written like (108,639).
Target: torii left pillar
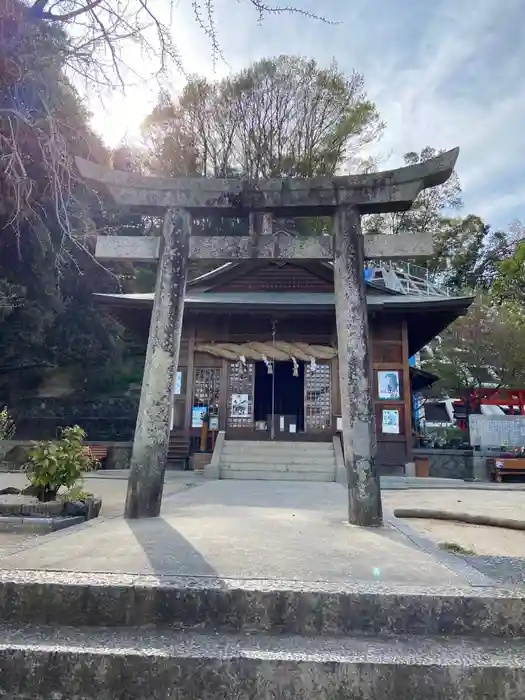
(150,445)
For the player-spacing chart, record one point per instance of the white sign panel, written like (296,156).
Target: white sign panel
(240,406)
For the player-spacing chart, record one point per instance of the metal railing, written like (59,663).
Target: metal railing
(406,278)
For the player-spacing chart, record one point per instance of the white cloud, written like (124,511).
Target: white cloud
(442,74)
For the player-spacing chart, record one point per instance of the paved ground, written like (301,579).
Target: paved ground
(485,541)
(278,530)
(251,530)
(110,486)
(507,504)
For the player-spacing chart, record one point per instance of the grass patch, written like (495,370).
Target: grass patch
(456,548)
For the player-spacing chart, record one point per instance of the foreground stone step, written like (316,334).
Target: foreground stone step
(133,664)
(276,607)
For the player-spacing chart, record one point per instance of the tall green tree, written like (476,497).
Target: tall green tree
(509,282)
(47,270)
(279,117)
(485,349)
(429,209)
(468,254)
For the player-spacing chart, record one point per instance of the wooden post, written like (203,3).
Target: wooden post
(407,395)
(150,445)
(355,371)
(204,436)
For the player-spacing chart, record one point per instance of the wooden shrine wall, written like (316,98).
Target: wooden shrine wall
(391,390)
(389,357)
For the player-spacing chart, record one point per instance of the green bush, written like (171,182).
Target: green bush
(7,425)
(56,463)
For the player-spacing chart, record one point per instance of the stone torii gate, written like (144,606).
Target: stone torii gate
(346,199)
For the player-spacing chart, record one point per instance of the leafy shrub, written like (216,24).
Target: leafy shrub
(7,425)
(56,463)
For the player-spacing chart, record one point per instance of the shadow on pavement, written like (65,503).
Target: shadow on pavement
(168,552)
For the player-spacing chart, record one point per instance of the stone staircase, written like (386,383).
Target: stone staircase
(178,450)
(278,461)
(118,637)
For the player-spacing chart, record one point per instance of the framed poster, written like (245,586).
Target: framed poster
(214,423)
(388,387)
(390,421)
(240,406)
(197,413)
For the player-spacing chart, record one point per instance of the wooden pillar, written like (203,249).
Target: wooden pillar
(407,394)
(355,371)
(223,396)
(150,446)
(190,374)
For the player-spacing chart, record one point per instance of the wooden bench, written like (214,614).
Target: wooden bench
(505,466)
(98,452)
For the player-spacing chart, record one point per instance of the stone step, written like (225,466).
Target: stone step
(231,606)
(268,474)
(277,444)
(136,663)
(278,458)
(271,466)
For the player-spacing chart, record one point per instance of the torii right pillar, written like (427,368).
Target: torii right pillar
(392,191)
(355,371)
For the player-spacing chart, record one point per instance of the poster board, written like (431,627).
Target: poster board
(197,413)
(388,385)
(390,421)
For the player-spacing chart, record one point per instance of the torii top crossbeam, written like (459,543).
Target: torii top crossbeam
(387,191)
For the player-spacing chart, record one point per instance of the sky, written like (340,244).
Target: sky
(443,73)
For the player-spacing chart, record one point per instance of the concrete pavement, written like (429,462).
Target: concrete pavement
(246,530)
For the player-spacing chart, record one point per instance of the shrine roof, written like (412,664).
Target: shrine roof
(292,299)
(426,316)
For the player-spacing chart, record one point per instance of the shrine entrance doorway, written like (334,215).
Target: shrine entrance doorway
(279,399)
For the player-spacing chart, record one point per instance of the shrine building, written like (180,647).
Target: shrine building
(258,355)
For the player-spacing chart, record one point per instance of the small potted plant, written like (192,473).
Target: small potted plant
(56,463)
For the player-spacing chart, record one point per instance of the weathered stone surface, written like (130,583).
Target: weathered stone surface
(132,248)
(401,246)
(274,246)
(40,525)
(449,464)
(280,246)
(392,190)
(232,606)
(9,491)
(118,457)
(25,506)
(76,508)
(17,454)
(150,446)
(136,664)
(355,372)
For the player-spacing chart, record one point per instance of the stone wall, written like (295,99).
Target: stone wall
(448,464)
(105,419)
